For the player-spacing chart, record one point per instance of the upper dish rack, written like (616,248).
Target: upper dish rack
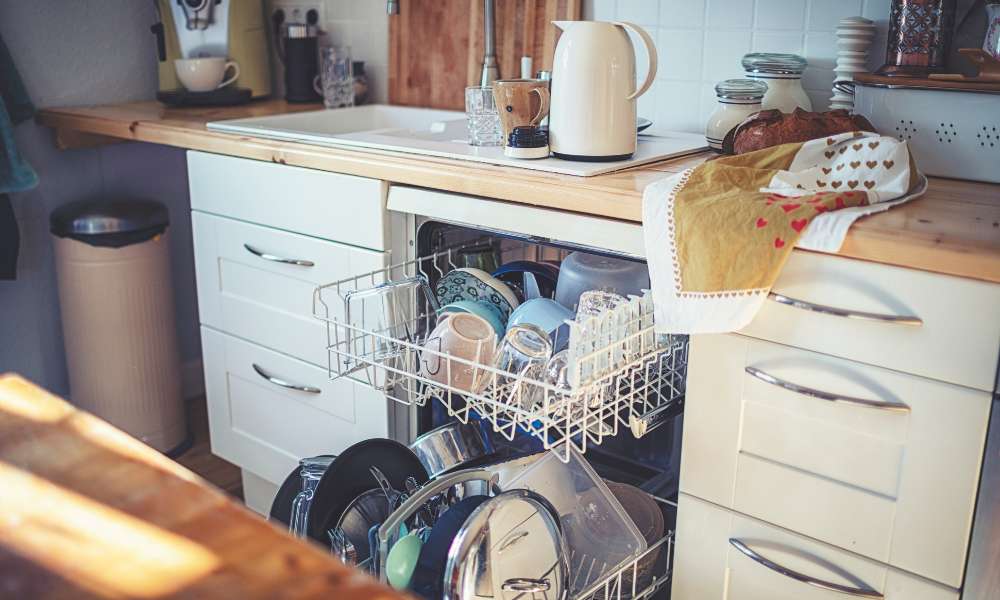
(620,372)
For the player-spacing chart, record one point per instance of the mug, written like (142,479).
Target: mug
(205,74)
(462,335)
(546,314)
(516,106)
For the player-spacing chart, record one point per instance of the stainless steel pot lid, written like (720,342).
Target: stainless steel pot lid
(510,547)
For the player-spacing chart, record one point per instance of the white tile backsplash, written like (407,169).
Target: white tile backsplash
(780,14)
(688,14)
(701,42)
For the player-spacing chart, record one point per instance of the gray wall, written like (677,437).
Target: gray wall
(76,53)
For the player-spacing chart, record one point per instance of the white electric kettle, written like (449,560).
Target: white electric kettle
(592,115)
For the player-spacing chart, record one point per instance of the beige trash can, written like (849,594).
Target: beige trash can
(113,268)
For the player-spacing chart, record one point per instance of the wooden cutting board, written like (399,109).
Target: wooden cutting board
(436,46)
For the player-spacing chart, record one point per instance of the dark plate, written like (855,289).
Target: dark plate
(227,96)
(349,476)
(281,506)
(428,577)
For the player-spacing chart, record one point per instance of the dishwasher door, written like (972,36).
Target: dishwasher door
(541,225)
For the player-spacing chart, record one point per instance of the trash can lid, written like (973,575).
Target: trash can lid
(94,218)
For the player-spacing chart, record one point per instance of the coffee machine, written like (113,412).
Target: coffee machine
(198,28)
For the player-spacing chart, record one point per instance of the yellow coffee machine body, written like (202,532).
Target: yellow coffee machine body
(199,28)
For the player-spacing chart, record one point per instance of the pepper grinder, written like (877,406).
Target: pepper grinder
(854,37)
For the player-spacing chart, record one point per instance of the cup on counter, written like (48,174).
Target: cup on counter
(335,82)
(461,335)
(483,119)
(520,103)
(205,74)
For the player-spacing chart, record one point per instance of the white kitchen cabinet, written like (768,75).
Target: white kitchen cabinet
(341,208)
(709,566)
(956,342)
(260,423)
(257,283)
(895,483)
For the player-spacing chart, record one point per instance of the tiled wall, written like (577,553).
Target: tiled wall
(700,42)
(364,26)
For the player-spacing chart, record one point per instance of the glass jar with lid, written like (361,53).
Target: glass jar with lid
(738,99)
(783,75)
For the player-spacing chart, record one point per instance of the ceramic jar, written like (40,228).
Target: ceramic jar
(783,75)
(738,99)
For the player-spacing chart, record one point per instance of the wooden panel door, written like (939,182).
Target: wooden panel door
(898,486)
(709,564)
(436,46)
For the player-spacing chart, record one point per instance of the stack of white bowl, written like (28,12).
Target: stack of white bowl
(854,37)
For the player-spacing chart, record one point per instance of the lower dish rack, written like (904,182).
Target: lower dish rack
(621,374)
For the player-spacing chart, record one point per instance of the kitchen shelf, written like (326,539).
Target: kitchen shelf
(627,380)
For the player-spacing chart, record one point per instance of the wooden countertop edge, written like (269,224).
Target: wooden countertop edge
(91,512)
(591,196)
(519,186)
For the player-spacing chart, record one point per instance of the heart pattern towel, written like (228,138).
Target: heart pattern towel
(717,235)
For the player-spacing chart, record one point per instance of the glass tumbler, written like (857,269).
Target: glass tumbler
(335,82)
(311,471)
(483,119)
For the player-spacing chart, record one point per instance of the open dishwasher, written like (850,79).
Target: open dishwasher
(625,383)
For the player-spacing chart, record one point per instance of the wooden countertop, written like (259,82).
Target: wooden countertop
(87,511)
(953,229)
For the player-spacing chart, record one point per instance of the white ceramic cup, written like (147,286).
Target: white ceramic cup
(462,335)
(205,74)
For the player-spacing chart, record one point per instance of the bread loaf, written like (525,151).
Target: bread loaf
(773,127)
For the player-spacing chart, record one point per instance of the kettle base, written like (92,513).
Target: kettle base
(585,158)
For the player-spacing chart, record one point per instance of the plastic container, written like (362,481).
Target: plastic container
(581,272)
(599,533)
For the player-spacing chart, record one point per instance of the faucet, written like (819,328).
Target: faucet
(491,71)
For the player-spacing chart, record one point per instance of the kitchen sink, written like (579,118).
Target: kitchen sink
(431,132)
(319,126)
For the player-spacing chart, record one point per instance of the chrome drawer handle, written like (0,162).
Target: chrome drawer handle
(814,393)
(278,259)
(285,384)
(826,585)
(843,312)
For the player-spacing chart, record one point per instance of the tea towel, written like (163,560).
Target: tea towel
(718,234)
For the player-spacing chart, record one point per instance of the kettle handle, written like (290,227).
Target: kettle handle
(650,50)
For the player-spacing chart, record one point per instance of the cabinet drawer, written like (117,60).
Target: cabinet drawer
(897,484)
(266,428)
(957,342)
(707,566)
(262,299)
(336,207)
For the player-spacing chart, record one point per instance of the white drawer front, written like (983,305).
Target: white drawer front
(958,341)
(707,566)
(342,208)
(897,486)
(264,427)
(266,301)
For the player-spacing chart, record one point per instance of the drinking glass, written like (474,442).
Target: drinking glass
(335,81)
(311,471)
(483,119)
(523,354)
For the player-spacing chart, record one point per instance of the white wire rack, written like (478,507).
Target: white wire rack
(640,578)
(620,371)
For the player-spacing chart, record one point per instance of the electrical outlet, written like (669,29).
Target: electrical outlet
(298,12)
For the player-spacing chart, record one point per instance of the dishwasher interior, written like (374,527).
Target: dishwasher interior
(623,415)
